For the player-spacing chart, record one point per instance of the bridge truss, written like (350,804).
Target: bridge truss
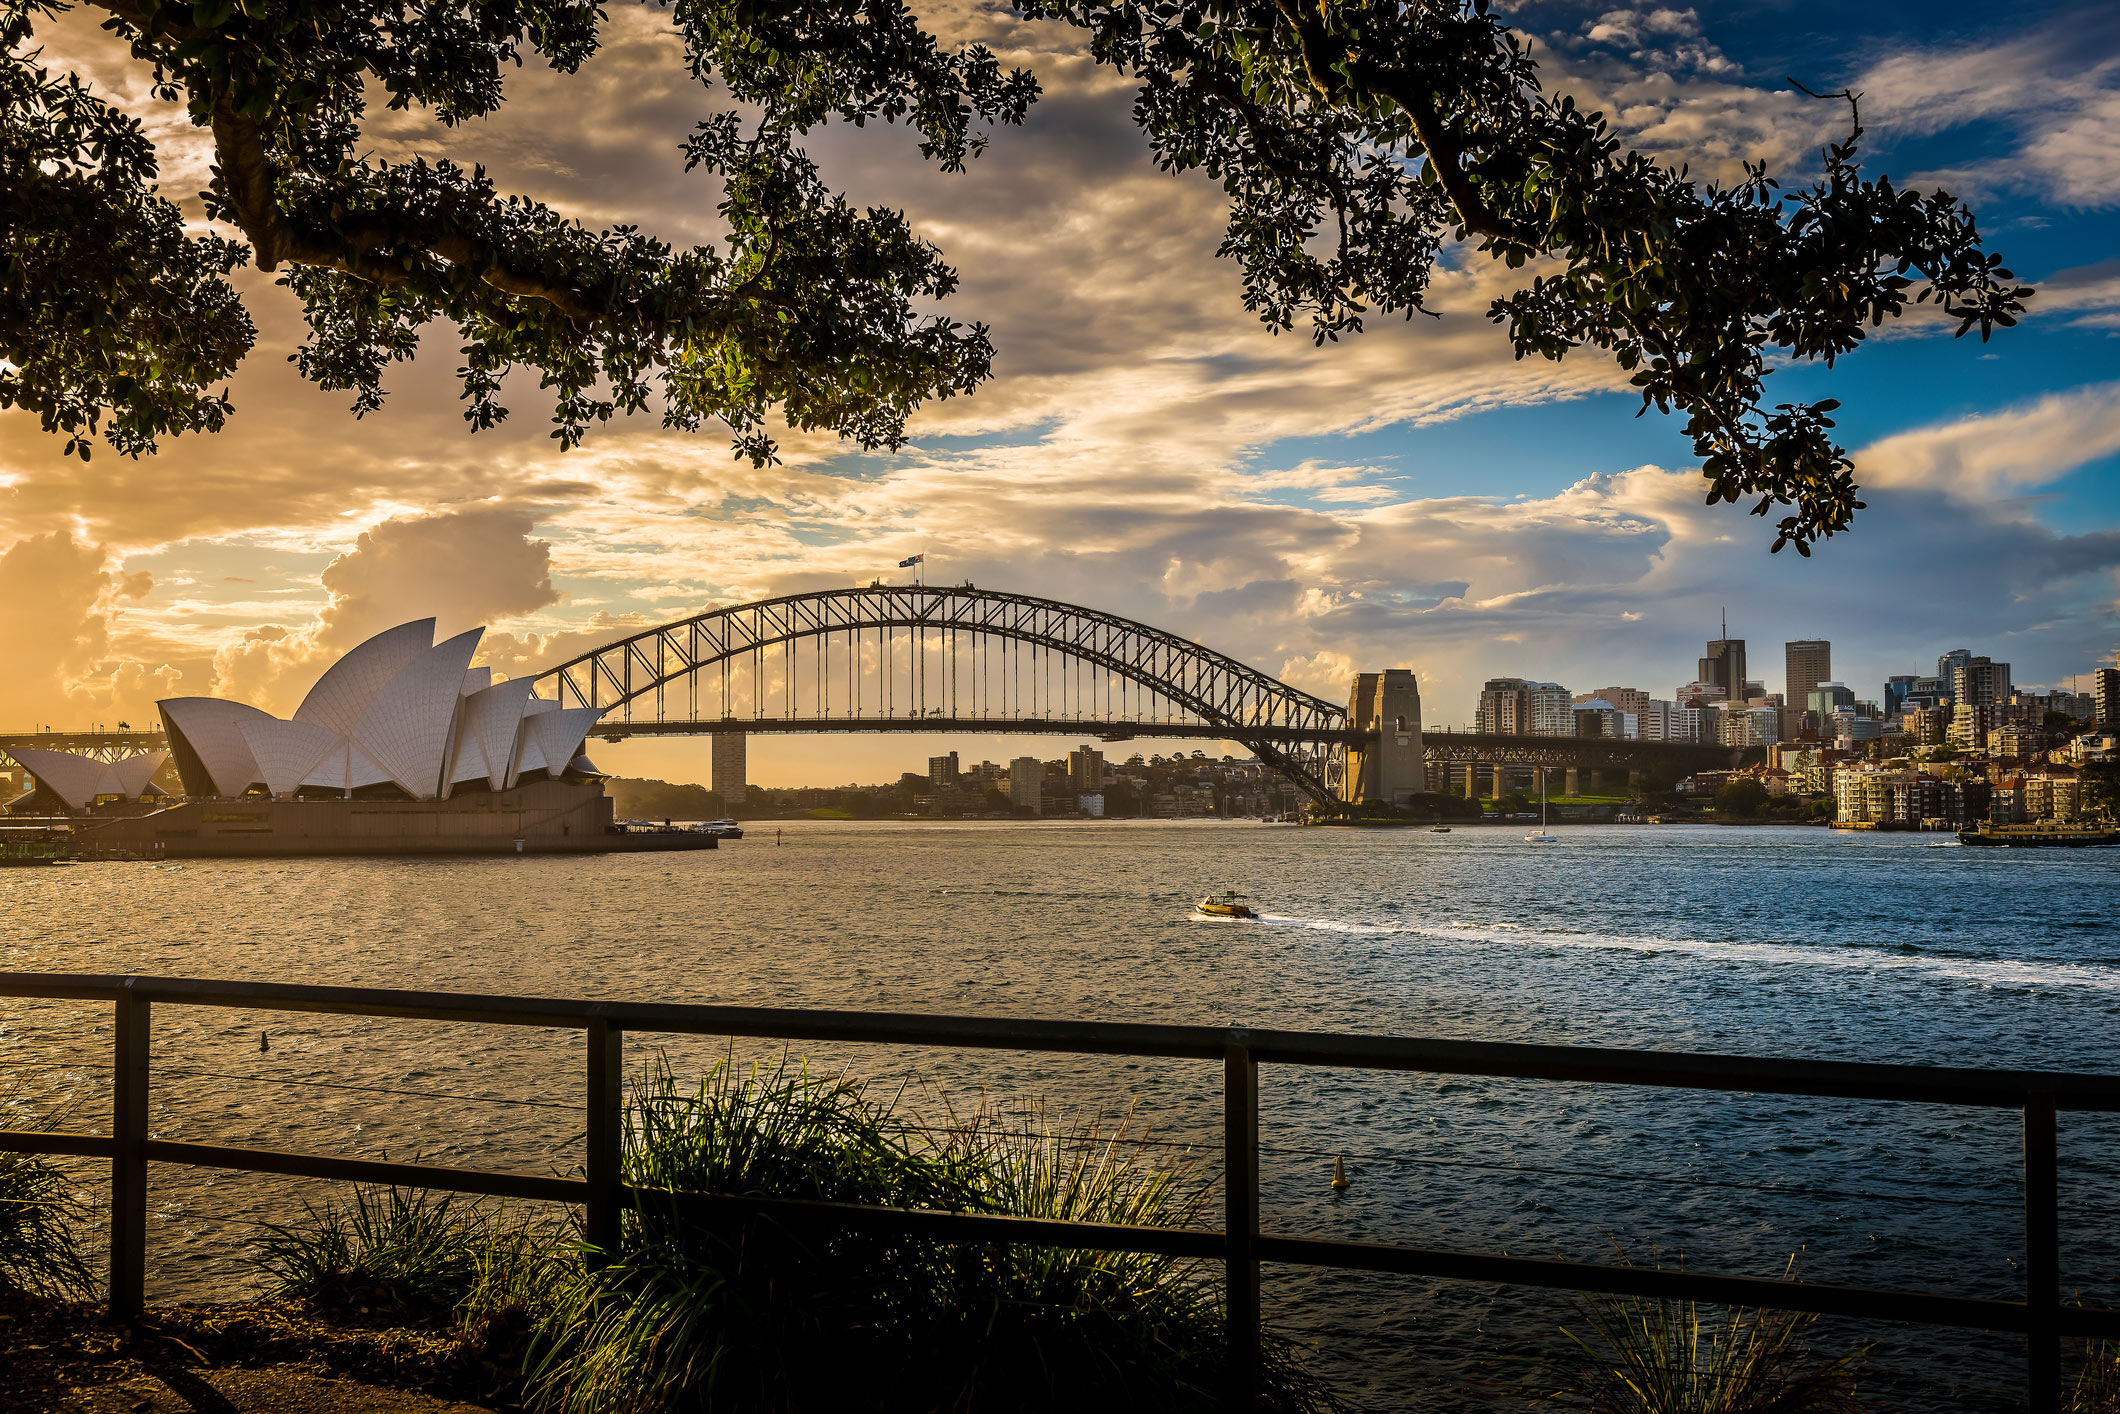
(954,658)
(102,745)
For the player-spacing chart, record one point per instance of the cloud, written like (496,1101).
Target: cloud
(61,600)
(2089,294)
(1658,37)
(465,568)
(2055,92)
(1983,458)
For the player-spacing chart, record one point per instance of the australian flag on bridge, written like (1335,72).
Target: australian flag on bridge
(911,561)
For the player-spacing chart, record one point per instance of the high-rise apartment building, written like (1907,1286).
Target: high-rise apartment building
(725,763)
(1085,769)
(1670,721)
(1805,662)
(1948,665)
(1503,707)
(1725,664)
(1981,682)
(1519,707)
(1743,725)
(2105,698)
(942,770)
(1026,784)
(1627,699)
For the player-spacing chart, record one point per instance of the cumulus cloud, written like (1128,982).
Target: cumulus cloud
(1987,457)
(58,602)
(1659,37)
(465,568)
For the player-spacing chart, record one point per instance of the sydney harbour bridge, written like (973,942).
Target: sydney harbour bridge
(955,658)
(933,658)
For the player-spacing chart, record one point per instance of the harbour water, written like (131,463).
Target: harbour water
(1798,942)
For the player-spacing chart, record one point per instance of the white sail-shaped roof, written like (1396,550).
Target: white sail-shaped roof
(477,680)
(346,767)
(529,755)
(560,734)
(486,728)
(406,728)
(209,732)
(350,686)
(134,772)
(72,778)
(287,753)
(78,780)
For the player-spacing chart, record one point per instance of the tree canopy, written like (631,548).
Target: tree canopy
(1356,141)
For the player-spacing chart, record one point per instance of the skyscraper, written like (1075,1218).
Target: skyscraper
(1948,665)
(1897,689)
(1725,664)
(1806,663)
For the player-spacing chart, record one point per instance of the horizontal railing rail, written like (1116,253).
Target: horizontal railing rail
(1240,1245)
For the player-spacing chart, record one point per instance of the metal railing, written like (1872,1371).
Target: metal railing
(1241,1246)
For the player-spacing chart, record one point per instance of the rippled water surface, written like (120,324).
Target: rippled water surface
(1768,941)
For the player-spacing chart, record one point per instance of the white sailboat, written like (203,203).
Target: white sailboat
(1542,837)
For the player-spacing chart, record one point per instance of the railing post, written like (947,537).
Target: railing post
(607,1070)
(2042,1255)
(128,1166)
(1240,1167)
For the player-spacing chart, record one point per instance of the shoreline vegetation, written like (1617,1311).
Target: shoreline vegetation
(694,1309)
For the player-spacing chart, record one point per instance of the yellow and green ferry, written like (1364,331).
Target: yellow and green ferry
(2047,833)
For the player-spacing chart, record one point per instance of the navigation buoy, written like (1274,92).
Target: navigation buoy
(1339,1175)
(263,1044)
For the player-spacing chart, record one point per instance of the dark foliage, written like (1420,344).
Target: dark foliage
(40,1247)
(1354,141)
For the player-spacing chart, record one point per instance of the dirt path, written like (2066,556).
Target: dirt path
(68,1358)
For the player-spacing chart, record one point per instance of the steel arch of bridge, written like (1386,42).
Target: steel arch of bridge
(1302,736)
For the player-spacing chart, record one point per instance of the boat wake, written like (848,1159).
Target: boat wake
(1991,973)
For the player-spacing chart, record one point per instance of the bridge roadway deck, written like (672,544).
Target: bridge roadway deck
(1449,748)
(1443,748)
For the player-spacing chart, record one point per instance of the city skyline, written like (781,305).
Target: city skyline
(1414,497)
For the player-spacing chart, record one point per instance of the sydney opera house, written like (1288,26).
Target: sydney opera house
(400,747)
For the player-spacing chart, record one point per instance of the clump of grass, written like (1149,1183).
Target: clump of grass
(1642,1355)
(1038,1327)
(2097,1386)
(40,1246)
(702,1306)
(428,1258)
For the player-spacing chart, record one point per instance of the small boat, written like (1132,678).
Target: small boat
(1225,905)
(1542,837)
(1439,828)
(720,829)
